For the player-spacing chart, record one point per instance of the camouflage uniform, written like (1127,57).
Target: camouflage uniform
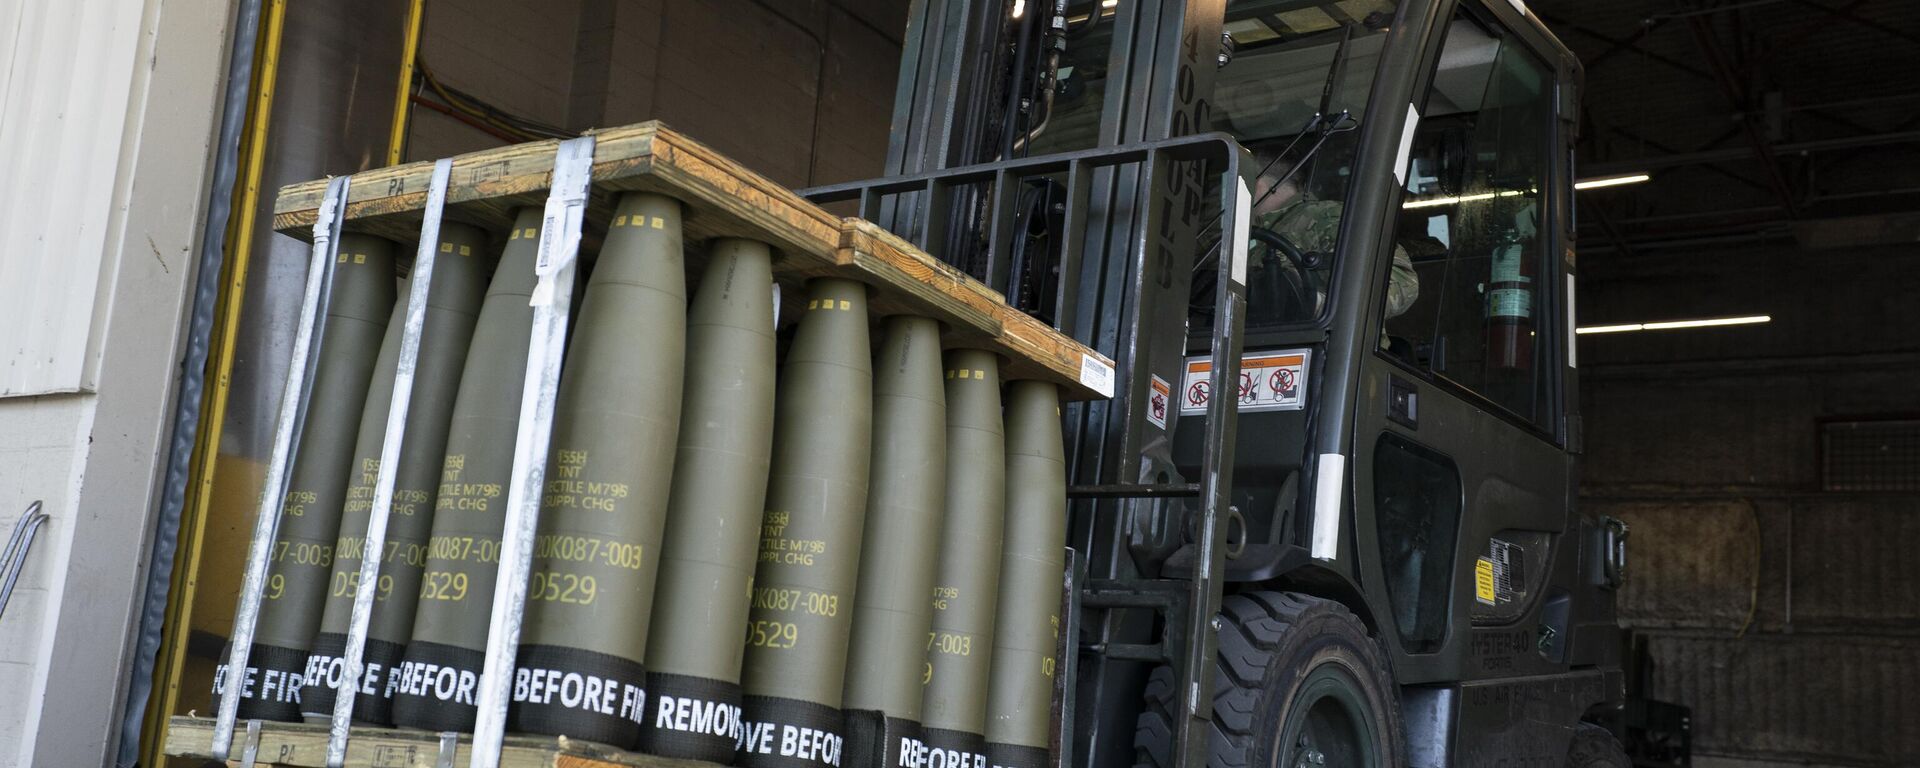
(1313,225)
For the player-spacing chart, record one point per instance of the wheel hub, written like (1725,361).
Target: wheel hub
(1305,756)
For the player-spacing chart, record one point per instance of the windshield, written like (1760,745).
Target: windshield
(1293,92)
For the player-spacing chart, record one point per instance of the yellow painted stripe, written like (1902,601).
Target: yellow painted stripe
(402,105)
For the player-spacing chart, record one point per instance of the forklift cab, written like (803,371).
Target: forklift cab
(1477,347)
(1454,533)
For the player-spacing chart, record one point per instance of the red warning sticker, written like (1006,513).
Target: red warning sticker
(1157,401)
(1268,381)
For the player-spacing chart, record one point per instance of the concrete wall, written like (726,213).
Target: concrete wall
(108,111)
(1787,617)
(799,91)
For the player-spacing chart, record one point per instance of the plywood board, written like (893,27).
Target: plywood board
(723,199)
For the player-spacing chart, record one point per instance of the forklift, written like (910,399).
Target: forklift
(1328,517)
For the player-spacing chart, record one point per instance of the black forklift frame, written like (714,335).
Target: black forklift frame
(1159,73)
(1201,595)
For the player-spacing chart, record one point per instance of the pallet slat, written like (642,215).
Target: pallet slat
(300,745)
(723,199)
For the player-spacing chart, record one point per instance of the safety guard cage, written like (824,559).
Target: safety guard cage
(1191,640)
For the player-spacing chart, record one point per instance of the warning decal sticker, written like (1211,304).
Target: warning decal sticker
(1483,580)
(1157,401)
(1508,562)
(1269,381)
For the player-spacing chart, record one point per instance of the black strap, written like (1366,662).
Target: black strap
(578,694)
(692,718)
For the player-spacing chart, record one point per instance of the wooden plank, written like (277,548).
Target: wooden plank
(300,745)
(974,315)
(723,199)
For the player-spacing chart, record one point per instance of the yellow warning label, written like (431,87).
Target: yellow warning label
(1483,580)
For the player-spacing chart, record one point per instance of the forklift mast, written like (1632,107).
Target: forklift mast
(1141,173)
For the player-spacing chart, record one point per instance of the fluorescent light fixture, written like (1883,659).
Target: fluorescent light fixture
(1669,325)
(1019,8)
(1109,3)
(1611,181)
(1437,201)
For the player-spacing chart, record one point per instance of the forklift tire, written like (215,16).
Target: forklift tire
(1278,652)
(1595,747)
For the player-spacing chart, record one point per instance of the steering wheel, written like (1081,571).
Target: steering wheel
(1300,279)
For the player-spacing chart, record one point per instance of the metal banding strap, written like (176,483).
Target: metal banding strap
(376,537)
(559,245)
(250,752)
(286,436)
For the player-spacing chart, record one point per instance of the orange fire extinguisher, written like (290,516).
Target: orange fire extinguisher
(1510,323)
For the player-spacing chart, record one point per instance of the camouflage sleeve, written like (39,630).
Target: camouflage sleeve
(1311,225)
(1403,285)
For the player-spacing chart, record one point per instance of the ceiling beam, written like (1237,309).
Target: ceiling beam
(1623,46)
(1629,43)
(1736,93)
(1848,13)
(1611,168)
(1711,156)
(1606,226)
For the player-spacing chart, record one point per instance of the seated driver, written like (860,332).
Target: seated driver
(1312,224)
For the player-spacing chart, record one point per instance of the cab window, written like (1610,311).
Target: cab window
(1466,297)
(1294,92)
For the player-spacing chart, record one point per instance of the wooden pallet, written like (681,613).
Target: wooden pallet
(299,745)
(723,199)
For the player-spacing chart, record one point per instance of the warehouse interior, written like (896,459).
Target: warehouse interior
(1768,469)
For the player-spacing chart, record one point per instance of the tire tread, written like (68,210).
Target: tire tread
(1254,627)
